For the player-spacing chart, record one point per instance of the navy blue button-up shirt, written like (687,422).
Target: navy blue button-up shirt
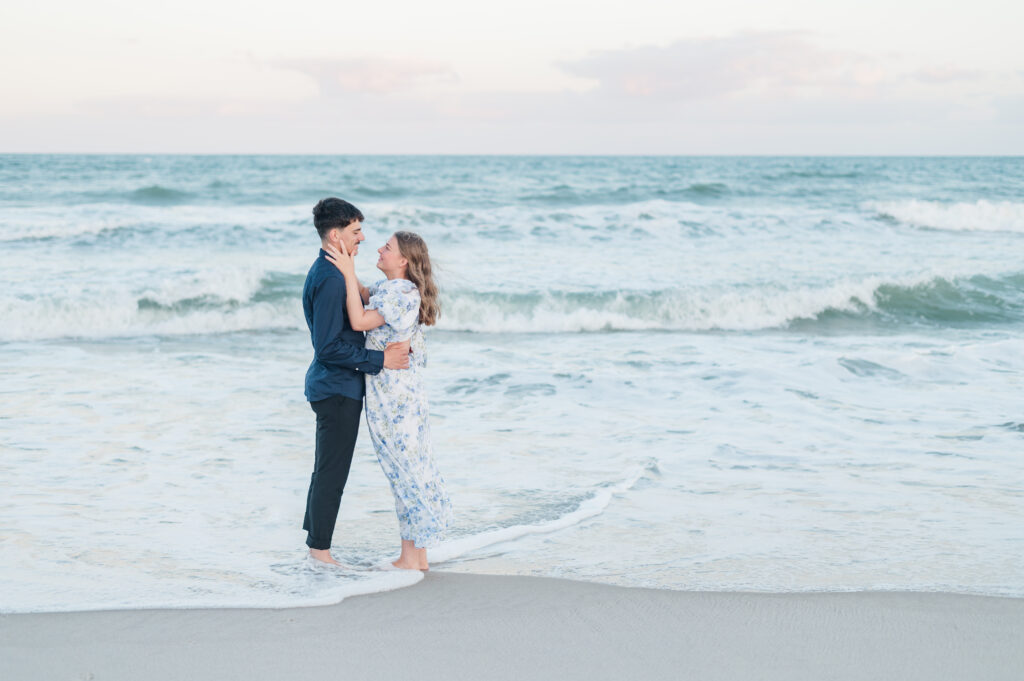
(339,356)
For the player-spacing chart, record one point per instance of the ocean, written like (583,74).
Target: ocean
(768,373)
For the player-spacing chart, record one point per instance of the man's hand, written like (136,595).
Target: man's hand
(396,355)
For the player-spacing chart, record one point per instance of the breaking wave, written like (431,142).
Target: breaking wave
(229,301)
(214,302)
(980,216)
(876,302)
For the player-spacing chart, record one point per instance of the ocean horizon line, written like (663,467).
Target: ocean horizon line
(249,154)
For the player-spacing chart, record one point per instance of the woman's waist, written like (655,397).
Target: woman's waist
(400,379)
(379,341)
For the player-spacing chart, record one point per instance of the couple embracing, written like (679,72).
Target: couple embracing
(385,365)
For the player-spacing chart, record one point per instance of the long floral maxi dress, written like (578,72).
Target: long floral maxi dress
(396,414)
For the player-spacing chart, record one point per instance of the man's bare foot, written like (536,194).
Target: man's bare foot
(324,556)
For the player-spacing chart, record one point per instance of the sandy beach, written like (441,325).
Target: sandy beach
(461,626)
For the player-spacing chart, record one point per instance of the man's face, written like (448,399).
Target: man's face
(351,236)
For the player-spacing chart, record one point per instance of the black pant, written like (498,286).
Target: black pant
(337,425)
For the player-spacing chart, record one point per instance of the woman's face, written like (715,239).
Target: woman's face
(390,259)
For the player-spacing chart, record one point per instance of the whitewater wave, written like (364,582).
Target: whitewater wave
(58,228)
(294,584)
(249,299)
(299,581)
(876,301)
(980,216)
(46,319)
(588,508)
(210,302)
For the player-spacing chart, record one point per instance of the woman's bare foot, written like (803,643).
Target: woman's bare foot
(405,565)
(324,556)
(412,558)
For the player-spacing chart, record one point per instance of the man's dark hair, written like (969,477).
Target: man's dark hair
(331,213)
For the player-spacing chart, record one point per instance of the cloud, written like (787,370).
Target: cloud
(719,67)
(753,93)
(946,74)
(369,76)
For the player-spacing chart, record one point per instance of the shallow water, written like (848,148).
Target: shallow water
(773,374)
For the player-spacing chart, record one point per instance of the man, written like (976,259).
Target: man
(334,381)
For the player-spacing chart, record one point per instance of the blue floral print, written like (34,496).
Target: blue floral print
(396,414)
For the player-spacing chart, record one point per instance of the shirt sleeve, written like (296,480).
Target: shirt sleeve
(328,323)
(399,307)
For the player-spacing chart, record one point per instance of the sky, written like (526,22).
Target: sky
(526,77)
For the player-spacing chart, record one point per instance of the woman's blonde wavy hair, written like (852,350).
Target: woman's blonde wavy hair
(414,249)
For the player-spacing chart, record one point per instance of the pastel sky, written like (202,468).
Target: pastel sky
(531,76)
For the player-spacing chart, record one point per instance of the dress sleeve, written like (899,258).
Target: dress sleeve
(397,304)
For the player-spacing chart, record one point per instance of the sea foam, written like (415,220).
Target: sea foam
(214,301)
(981,215)
(892,301)
(588,508)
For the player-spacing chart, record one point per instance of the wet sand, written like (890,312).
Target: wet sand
(459,626)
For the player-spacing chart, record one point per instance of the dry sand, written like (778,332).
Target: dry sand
(458,626)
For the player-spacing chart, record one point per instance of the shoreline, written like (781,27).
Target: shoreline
(465,626)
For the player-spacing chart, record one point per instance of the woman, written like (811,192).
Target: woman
(396,402)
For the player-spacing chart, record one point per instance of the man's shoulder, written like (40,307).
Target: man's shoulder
(322,271)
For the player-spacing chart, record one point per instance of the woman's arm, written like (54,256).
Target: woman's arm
(359,318)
